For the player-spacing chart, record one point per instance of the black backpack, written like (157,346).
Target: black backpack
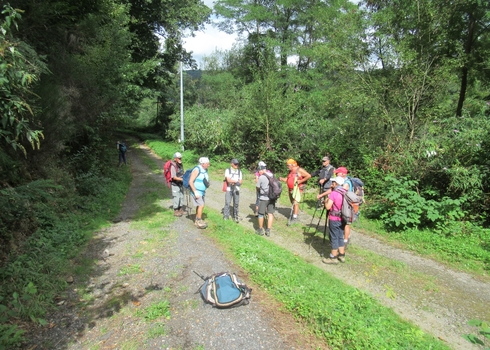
(122,148)
(275,188)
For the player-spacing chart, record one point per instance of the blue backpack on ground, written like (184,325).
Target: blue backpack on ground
(224,290)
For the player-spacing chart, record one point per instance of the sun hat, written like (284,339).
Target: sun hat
(235,161)
(325,158)
(261,163)
(291,161)
(339,180)
(203,160)
(177,155)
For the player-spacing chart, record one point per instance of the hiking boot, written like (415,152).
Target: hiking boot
(200,223)
(330,260)
(237,220)
(268,232)
(177,212)
(260,231)
(341,258)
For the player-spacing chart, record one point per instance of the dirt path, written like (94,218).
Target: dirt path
(423,292)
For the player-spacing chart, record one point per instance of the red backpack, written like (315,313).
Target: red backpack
(166,171)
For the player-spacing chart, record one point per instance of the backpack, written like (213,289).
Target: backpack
(357,186)
(350,205)
(223,290)
(167,171)
(122,148)
(275,188)
(187,175)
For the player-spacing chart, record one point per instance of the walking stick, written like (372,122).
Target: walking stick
(291,213)
(325,229)
(313,217)
(316,228)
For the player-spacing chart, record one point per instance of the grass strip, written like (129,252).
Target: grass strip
(344,316)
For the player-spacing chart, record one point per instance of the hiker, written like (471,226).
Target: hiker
(121,147)
(198,183)
(261,163)
(325,174)
(233,178)
(264,203)
(176,174)
(335,223)
(347,185)
(297,175)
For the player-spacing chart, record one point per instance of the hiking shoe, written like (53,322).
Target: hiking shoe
(237,220)
(260,231)
(341,258)
(200,223)
(177,212)
(268,232)
(330,260)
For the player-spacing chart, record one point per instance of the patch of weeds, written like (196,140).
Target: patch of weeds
(157,310)
(432,287)
(157,330)
(167,289)
(138,255)
(183,288)
(130,270)
(199,347)
(132,344)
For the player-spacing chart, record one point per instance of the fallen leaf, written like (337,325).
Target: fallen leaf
(136,303)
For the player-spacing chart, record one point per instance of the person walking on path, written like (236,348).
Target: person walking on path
(176,173)
(335,223)
(297,176)
(265,204)
(121,147)
(233,178)
(199,182)
(347,185)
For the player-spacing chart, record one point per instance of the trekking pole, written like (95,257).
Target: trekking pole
(325,229)
(291,213)
(313,217)
(202,277)
(316,228)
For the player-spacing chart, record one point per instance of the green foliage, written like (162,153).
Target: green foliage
(403,207)
(484,330)
(20,68)
(62,220)
(155,311)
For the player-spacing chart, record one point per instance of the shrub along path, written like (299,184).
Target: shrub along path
(141,263)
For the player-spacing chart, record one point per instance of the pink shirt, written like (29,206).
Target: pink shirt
(337,205)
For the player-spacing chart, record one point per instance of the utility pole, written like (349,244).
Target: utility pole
(181,106)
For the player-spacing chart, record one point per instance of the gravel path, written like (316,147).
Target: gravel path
(421,291)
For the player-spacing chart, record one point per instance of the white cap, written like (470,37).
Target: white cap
(261,163)
(203,160)
(177,155)
(339,180)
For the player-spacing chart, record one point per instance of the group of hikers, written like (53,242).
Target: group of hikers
(333,183)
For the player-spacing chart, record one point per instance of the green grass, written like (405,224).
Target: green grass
(342,315)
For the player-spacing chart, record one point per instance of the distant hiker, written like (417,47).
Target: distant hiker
(265,204)
(121,147)
(198,183)
(335,224)
(297,176)
(261,163)
(233,179)
(176,174)
(347,184)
